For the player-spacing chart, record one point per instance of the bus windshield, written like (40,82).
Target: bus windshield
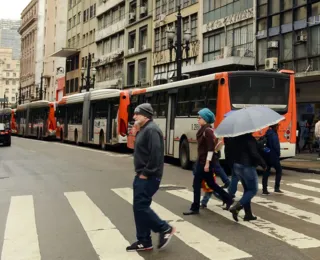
(249,90)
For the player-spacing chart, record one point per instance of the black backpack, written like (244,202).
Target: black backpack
(262,144)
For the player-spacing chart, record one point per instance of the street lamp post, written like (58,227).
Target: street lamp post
(20,95)
(178,46)
(88,78)
(16,99)
(4,100)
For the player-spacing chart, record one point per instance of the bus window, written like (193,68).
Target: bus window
(183,102)
(260,90)
(197,99)
(163,104)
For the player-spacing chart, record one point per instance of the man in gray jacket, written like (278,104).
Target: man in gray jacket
(148,163)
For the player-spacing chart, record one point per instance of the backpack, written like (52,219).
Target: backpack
(262,145)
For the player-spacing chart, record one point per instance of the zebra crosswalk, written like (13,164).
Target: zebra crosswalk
(21,239)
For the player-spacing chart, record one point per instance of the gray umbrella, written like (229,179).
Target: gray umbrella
(247,120)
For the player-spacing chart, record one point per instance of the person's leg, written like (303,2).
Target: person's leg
(197,179)
(265,177)
(278,168)
(205,199)
(234,183)
(222,174)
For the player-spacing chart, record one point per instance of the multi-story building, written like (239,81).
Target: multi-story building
(29,37)
(81,46)
(9,36)
(54,67)
(9,77)
(165,19)
(138,43)
(288,37)
(109,36)
(226,36)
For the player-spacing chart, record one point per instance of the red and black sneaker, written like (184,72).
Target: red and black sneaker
(139,246)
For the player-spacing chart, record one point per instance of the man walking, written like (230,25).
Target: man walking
(148,163)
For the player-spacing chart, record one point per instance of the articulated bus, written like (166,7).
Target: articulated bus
(176,106)
(5,117)
(97,117)
(36,119)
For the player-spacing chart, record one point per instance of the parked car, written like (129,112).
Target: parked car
(5,135)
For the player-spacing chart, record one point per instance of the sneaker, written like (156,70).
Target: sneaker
(278,191)
(138,246)
(165,237)
(265,193)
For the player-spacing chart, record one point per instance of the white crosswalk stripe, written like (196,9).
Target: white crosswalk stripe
(22,241)
(198,239)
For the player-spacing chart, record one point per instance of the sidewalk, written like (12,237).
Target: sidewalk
(304,162)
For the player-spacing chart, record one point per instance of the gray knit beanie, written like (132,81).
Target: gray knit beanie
(144,109)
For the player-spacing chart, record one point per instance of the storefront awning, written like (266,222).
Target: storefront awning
(65,52)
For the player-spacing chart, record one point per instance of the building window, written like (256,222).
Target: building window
(157,40)
(8,66)
(131,71)
(300,14)
(287,4)
(132,40)
(158,8)
(163,38)
(13,99)
(194,25)
(171,6)
(142,71)
(7,82)
(287,46)
(212,46)
(143,38)
(275,21)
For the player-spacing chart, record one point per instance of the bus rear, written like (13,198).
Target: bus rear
(275,90)
(13,122)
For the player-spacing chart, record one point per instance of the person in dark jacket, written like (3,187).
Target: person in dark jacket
(246,158)
(148,164)
(204,166)
(273,160)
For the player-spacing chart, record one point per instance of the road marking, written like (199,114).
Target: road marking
(283,234)
(21,238)
(303,187)
(286,209)
(312,180)
(299,196)
(105,238)
(198,239)
(96,151)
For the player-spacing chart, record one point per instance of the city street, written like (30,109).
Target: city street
(66,202)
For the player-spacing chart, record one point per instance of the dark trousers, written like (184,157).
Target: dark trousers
(145,218)
(199,176)
(277,166)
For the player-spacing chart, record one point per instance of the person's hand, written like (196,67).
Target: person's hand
(206,167)
(143,177)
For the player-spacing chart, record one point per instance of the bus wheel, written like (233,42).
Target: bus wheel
(184,154)
(101,141)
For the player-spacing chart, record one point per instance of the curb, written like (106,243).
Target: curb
(306,170)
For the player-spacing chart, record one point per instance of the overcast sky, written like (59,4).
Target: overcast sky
(12,9)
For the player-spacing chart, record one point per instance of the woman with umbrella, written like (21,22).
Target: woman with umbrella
(240,125)
(204,166)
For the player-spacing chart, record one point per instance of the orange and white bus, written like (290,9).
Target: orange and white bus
(98,117)
(36,119)
(176,106)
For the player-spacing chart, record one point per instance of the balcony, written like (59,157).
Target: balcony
(111,29)
(109,83)
(104,7)
(109,58)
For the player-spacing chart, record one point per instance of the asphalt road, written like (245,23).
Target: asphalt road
(60,201)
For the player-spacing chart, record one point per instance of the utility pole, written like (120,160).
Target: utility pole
(179,43)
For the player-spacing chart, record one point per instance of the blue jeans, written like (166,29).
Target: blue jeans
(249,179)
(207,197)
(145,218)
(199,176)
(220,171)
(234,183)
(275,163)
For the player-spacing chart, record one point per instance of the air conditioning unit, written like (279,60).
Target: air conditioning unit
(144,47)
(271,63)
(241,52)
(273,44)
(143,10)
(301,38)
(132,16)
(162,17)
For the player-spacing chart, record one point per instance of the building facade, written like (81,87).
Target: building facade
(226,36)
(164,20)
(81,46)
(9,77)
(54,67)
(111,22)
(9,36)
(138,43)
(288,37)
(29,36)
